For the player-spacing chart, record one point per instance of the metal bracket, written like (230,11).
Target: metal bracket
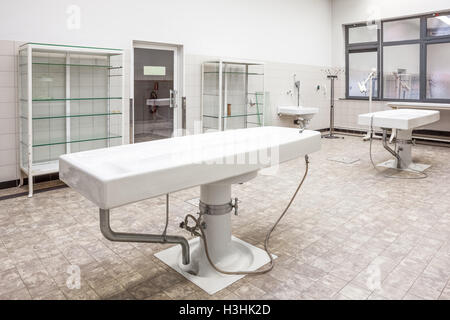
(220,209)
(235,206)
(193,230)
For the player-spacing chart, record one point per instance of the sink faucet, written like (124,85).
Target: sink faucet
(297,85)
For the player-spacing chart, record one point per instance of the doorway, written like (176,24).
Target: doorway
(155,92)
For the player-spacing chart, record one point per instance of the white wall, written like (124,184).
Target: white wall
(295,31)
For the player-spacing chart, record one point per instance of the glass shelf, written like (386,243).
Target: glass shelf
(235,72)
(71,99)
(70,46)
(72,141)
(74,116)
(250,93)
(235,115)
(72,65)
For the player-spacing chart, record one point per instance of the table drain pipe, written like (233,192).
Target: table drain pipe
(385,146)
(111,235)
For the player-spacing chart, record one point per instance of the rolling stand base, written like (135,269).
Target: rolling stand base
(331,136)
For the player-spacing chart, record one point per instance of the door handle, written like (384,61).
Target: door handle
(131,119)
(173,99)
(183,113)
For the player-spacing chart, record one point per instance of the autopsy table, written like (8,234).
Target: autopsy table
(117,176)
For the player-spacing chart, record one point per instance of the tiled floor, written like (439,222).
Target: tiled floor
(351,234)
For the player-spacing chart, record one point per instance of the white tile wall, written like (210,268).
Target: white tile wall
(7,79)
(7,95)
(8,142)
(8,118)
(8,173)
(6,60)
(7,158)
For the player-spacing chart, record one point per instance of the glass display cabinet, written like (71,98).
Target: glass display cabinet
(232,95)
(71,99)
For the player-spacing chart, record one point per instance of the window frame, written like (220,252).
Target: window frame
(424,40)
(358,48)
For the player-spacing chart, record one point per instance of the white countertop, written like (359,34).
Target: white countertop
(116,176)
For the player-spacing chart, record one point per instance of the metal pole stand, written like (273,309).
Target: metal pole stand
(331,135)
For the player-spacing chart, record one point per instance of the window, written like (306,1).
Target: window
(410,54)
(438,71)
(361,34)
(438,26)
(362,59)
(401,30)
(401,65)
(360,65)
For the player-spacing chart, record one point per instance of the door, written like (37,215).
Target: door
(155,103)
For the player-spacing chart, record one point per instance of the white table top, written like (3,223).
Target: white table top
(403,119)
(419,105)
(113,177)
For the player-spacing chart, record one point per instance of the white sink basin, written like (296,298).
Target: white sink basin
(296,111)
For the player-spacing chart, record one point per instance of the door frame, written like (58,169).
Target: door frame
(178,81)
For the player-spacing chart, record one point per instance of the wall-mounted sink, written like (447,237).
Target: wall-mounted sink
(302,115)
(298,112)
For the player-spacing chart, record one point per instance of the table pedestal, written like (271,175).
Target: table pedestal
(227,252)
